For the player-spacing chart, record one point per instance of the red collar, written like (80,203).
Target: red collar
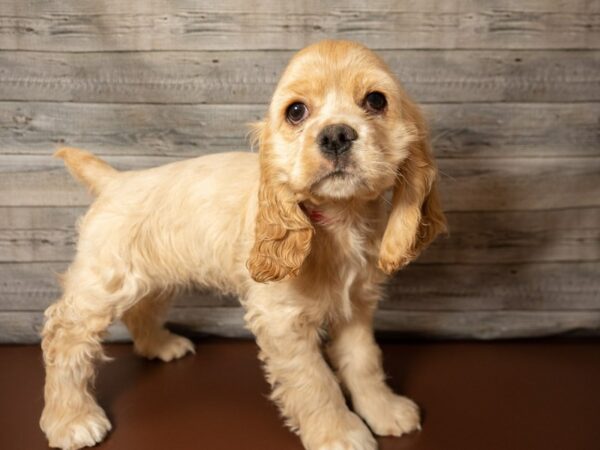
(316,215)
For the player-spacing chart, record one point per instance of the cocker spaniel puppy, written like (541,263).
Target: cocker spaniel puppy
(301,232)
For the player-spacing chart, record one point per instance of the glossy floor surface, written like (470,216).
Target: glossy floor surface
(526,395)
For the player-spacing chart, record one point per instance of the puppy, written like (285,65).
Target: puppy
(301,232)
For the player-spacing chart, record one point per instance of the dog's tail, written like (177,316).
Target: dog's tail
(87,168)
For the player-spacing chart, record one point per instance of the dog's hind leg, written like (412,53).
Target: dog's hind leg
(72,347)
(145,321)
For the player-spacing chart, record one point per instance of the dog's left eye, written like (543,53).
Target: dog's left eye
(375,102)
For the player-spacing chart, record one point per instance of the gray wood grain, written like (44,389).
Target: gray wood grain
(145,130)
(31,286)
(250,76)
(571,234)
(29,234)
(25,326)
(488,324)
(511,90)
(556,286)
(519,183)
(44,218)
(465,185)
(165,25)
(117,7)
(479,130)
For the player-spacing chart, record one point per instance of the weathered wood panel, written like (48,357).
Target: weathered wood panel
(466,184)
(524,286)
(519,183)
(166,25)
(29,234)
(150,130)
(44,218)
(37,244)
(488,324)
(514,130)
(31,286)
(420,287)
(25,326)
(168,79)
(458,130)
(231,6)
(251,76)
(519,236)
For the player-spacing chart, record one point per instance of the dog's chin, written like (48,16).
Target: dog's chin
(338,185)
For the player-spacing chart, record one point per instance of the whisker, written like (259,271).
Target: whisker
(382,197)
(446,175)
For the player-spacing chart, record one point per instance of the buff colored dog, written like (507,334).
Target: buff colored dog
(301,232)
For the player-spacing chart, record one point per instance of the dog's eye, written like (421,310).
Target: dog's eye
(296,113)
(375,102)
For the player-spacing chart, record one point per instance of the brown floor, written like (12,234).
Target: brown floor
(476,396)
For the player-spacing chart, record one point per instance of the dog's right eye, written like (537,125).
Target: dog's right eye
(296,113)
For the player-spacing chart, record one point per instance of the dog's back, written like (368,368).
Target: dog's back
(171,222)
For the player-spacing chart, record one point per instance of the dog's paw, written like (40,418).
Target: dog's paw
(83,430)
(389,414)
(167,347)
(352,435)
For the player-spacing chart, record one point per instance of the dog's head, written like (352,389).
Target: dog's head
(339,128)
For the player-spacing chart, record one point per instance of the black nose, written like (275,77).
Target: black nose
(336,139)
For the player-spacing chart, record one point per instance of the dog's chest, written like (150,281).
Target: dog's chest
(341,259)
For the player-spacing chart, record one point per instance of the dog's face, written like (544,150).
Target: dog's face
(340,128)
(337,123)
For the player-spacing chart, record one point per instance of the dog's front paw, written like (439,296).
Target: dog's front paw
(350,434)
(85,429)
(389,414)
(166,347)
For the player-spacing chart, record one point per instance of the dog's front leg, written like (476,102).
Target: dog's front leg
(357,359)
(304,387)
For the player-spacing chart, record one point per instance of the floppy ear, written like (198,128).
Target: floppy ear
(416,216)
(283,233)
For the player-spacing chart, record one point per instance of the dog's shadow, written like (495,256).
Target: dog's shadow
(126,369)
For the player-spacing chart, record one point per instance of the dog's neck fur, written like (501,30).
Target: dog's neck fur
(344,251)
(332,215)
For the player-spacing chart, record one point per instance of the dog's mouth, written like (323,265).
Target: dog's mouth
(335,175)
(337,184)
(338,174)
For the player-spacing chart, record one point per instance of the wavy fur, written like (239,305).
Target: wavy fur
(239,223)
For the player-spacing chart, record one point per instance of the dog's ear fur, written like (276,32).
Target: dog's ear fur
(416,216)
(283,233)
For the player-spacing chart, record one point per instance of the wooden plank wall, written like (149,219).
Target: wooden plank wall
(511,88)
